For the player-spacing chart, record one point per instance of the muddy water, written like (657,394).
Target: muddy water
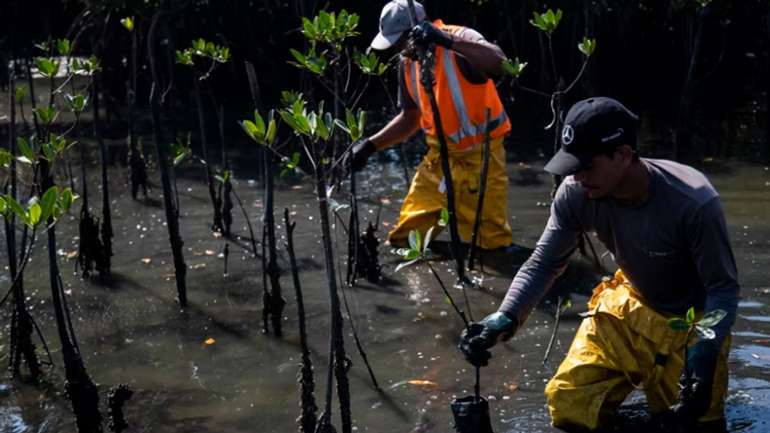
(210,369)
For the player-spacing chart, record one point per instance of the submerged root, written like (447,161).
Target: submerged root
(115,400)
(368,265)
(91,254)
(138,170)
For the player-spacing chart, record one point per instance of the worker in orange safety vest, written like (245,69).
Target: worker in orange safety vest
(470,109)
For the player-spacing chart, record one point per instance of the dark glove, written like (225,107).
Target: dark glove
(362,150)
(426,33)
(695,391)
(479,337)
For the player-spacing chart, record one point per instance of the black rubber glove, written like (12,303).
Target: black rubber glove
(426,33)
(356,159)
(481,336)
(695,391)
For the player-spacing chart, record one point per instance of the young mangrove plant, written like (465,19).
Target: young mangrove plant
(264,133)
(330,59)
(22,346)
(315,130)
(203,57)
(170,194)
(136,163)
(701,328)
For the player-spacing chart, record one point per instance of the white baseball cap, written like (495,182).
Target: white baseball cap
(394,21)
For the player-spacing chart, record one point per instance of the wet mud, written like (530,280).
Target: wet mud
(209,367)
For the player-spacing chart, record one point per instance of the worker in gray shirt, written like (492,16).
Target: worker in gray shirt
(664,225)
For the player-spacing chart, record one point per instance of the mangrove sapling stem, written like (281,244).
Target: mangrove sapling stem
(106,228)
(170,199)
(308,418)
(477,383)
(352,321)
(22,322)
(557,317)
(277,302)
(248,224)
(32,99)
(266,303)
(216,225)
(482,192)
(225,190)
(136,162)
(337,359)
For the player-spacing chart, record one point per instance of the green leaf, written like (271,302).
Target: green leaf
(77,102)
(272,129)
(48,202)
(444,219)
(3,207)
(26,150)
(21,93)
(128,23)
(587,46)
(414,240)
(250,129)
(705,333)
(48,151)
(259,123)
(180,157)
(64,47)
(17,209)
(402,265)
(678,324)
(710,319)
(428,237)
(66,198)
(47,67)
(690,317)
(35,212)
(5,158)
(46,114)
(514,68)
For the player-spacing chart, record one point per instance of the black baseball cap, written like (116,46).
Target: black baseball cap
(592,127)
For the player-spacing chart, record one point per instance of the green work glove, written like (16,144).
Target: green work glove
(481,336)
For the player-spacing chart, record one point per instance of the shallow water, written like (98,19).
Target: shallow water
(132,330)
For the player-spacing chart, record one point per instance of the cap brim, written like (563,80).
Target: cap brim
(563,164)
(383,42)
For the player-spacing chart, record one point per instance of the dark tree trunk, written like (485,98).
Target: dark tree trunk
(170,198)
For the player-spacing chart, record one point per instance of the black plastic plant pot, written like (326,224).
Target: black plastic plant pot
(471,415)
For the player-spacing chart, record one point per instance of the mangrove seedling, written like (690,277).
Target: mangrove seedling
(204,56)
(702,328)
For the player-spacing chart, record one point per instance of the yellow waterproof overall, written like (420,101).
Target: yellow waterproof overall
(427,196)
(623,345)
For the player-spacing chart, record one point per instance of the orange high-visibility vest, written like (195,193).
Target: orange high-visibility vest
(462,104)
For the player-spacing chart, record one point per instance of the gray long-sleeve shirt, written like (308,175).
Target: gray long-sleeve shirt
(673,248)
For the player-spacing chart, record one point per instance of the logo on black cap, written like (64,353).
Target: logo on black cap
(567,135)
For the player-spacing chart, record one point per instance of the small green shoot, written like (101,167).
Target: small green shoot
(587,46)
(514,67)
(547,21)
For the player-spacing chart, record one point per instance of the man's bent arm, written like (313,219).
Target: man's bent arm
(713,257)
(403,126)
(547,262)
(486,57)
